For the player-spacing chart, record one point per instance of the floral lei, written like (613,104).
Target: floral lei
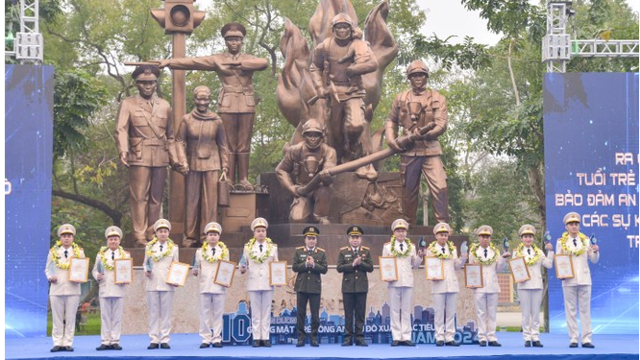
(440,255)
(265,256)
(490,260)
(581,236)
(210,259)
(157,258)
(103,259)
(400,254)
(534,259)
(56,259)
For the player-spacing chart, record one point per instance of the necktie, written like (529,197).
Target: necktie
(485,253)
(355,251)
(401,247)
(529,251)
(575,243)
(160,247)
(444,251)
(260,247)
(113,255)
(213,251)
(66,254)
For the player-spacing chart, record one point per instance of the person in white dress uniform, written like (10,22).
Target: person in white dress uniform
(486,297)
(577,290)
(256,256)
(111,294)
(401,290)
(64,295)
(159,254)
(530,291)
(445,292)
(212,295)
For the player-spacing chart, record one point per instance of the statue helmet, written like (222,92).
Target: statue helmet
(312,125)
(417,66)
(342,18)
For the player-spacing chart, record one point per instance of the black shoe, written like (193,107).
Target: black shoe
(216,345)
(301,343)
(266,343)
(527,343)
(103,347)
(573,345)
(153,346)
(116,347)
(314,343)
(395,343)
(346,343)
(439,343)
(588,345)
(483,343)
(57,348)
(537,343)
(256,343)
(408,343)
(165,346)
(452,343)
(494,344)
(204,346)
(362,343)
(68,348)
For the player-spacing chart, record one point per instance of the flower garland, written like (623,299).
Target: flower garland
(265,255)
(438,253)
(158,257)
(210,259)
(583,238)
(56,259)
(104,260)
(532,260)
(400,254)
(490,260)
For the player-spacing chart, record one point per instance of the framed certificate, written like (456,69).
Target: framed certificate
(564,266)
(473,276)
(123,271)
(78,269)
(388,268)
(225,272)
(177,273)
(434,268)
(278,273)
(519,270)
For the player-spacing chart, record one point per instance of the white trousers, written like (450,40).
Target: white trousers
(211,310)
(486,309)
(159,303)
(400,304)
(579,296)
(261,313)
(63,312)
(111,317)
(445,312)
(530,300)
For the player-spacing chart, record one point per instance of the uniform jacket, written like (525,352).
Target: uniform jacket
(405,264)
(535,271)
(205,143)
(145,131)
(159,269)
(354,279)
(108,286)
(450,283)
(258,273)
(63,286)
(489,272)
(308,279)
(325,59)
(292,171)
(207,272)
(581,272)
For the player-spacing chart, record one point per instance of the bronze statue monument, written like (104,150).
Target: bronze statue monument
(202,155)
(300,164)
(415,109)
(236,101)
(144,136)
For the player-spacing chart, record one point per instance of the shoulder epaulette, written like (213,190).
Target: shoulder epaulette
(385,244)
(367,248)
(321,249)
(300,248)
(344,248)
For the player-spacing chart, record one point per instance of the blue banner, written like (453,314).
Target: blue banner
(591,167)
(28,161)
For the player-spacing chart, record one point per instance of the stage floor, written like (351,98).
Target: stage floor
(185,346)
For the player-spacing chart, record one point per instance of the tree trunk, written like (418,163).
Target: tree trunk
(115,215)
